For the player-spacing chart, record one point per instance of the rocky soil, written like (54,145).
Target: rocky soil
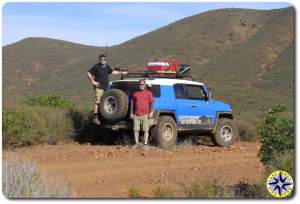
(111,171)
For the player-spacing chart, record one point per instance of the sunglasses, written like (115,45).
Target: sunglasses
(142,84)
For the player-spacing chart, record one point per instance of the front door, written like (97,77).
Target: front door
(193,112)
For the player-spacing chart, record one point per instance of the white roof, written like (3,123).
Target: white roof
(165,81)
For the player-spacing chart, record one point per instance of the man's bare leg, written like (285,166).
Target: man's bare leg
(136,139)
(96,108)
(146,147)
(146,135)
(96,118)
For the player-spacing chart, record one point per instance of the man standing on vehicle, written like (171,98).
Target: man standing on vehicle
(98,76)
(142,103)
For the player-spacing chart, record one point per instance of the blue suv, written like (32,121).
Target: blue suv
(180,106)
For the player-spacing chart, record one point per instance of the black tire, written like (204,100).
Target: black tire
(113,105)
(226,133)
(161,139)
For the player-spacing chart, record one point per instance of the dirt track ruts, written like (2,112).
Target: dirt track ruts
(110,171)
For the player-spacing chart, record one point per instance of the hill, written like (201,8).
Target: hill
(245,56)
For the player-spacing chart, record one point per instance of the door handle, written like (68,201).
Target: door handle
(193,105)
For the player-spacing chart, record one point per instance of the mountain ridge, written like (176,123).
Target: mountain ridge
(236,52)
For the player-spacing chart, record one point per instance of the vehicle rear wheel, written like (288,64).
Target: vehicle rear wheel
(165,132)
(113,105)
(225,134)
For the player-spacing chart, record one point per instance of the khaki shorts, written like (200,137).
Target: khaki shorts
(98,93)
(140,120)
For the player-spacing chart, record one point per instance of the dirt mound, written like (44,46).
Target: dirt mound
(110,171)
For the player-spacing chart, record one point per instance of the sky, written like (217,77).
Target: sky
(101,23)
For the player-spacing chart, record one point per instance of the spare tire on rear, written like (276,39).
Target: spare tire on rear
(113,105)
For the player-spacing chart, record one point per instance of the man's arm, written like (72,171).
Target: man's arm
(151,105)
(151,110)
(92,79)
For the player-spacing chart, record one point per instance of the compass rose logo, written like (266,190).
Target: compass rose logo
(280,184)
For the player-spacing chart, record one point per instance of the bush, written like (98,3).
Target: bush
(27,125)
(134,193)
(50,101)
(55,125)
(276,134)
(85,131)
(284,161)
(163,192)
(240,190)
(207,190)
(22,179)
(19,126)
(88,132)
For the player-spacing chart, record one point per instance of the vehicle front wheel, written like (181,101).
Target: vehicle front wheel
(165,132)
(225,134)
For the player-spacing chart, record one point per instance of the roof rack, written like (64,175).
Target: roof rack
(183,73)
(151,75)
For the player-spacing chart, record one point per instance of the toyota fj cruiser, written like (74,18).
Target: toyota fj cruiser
(180,105)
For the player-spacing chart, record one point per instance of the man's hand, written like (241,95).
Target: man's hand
(131,116)
(151,114)
(96,83)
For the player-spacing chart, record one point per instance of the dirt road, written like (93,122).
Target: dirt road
(110,171)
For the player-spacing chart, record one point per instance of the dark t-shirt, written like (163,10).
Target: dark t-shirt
(100,72)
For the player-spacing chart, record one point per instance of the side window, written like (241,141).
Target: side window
(180,91)
(155,89)
(195,92)
(127,86)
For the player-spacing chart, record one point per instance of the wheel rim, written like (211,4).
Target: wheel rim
(110,104)
(226,133)
(167,131)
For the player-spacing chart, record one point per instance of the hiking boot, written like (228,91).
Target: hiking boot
(96,120)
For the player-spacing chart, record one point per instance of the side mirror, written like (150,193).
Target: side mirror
(206,93)
(206,96)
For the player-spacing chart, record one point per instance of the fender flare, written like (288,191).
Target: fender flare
(222,115)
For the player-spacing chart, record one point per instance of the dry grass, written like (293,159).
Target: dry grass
(22,179)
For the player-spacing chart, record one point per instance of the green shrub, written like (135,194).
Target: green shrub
(50,101)
(22,179)
(276,134)
(27,125)
(206,190)
(87,132)
(283,161)
(84,129)
(134,193)
(244,190)
(163,192)
(240,190)
(55,124)
(19,126)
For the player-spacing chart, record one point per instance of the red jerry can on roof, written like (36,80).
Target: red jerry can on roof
(164,66)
